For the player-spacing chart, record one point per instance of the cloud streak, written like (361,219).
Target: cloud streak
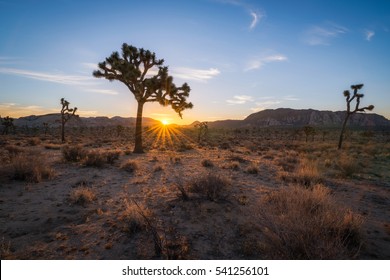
(256,17)
(257,63)
(369,34)
(240,99)
(323,34)
(48,77)
(199,75)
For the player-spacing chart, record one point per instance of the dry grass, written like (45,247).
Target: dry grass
(348,165)
(307,174)
(131,218)
(299,223)
(130,166)
(73,153)
(82,195)
(212,186)
(31,168)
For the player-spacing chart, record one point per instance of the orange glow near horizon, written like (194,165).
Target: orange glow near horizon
(165,136)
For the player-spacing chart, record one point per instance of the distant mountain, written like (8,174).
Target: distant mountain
(55,120)
(295,118)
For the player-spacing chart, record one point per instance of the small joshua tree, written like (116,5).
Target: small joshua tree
(66,114)
(309,130)
(202,130)
(8,124)
(349,98)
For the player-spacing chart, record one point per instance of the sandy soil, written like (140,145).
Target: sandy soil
(40,220)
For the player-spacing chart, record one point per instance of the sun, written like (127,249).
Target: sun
(164,122)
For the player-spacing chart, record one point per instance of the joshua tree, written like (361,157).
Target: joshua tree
(309,130)
(202,130)
(8,123)
(66,114)
(132,68)
(349,98)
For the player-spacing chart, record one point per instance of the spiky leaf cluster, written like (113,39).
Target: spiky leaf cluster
(133,67)
(66,112)
(355,96)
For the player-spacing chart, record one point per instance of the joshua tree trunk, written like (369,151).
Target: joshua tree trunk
(343,130)
(63,131)
(138,130)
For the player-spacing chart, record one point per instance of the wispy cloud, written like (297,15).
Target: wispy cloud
(200,75)
(240,99)
(103,91)
(17,110)
(368,34)
(256,15)
(269,101)
(83,82)
(258,62)
(48,77)
(324,34)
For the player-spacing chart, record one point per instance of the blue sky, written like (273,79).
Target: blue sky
(238,56)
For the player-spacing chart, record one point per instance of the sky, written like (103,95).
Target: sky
(238,56)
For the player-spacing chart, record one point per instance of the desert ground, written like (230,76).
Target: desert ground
(233,194)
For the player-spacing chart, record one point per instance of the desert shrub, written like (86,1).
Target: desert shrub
(112,156)
(237,158)
(34,141)
(53,146)
(158,168)
(207,163)
(31,168)
(131,219)
(348,165)
(82,195)
(306,174)
(252,169)
(299,223)
(212,186)
(13,150)
(73,153)
(95,159)
(130,166)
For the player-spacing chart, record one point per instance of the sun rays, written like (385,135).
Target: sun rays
(165,135)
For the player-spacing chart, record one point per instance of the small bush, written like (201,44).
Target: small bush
(132,219)
(299,223)
(31,168)
(207,163)
(130,166)
(348,166)
(252,169)
(82,195)
(73,153)
(95,159)
(213,186)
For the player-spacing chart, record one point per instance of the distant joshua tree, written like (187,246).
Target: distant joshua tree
(132,68)
(8,124)
(349,98)
(66,114)
(202,130)
(309,130)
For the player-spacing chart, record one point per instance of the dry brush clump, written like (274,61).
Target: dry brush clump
(306,174)
(82,195)
(212,186)
(299,223)
(131,218)
(94,158)
(32,168)
(130,166)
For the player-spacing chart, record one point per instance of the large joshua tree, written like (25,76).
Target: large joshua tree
(349,98)
(134,68)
